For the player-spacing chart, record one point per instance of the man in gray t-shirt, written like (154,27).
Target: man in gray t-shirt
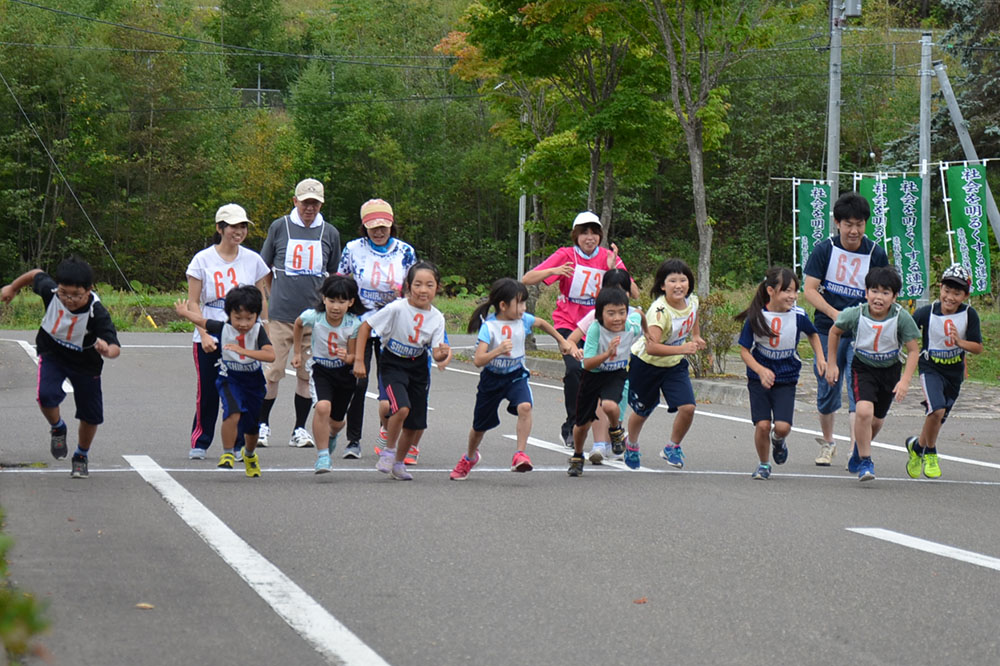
(301,249)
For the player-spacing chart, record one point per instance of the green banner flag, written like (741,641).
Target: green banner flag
(966,185)
(876,191)
(906,239)
(813,203)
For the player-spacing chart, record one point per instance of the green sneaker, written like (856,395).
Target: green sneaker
(915,464)
(931,469)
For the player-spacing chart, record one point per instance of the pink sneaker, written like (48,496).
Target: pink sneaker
(411,456)
(382,438)
(521,462)
(464,466)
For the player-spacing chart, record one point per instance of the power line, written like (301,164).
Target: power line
(118,49)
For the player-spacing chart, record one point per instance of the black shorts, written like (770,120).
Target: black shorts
(774,404)
(335,385)
(874,385)
(404,382)
(597,386)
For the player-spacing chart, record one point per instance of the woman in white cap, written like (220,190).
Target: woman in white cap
(211,275)
(579,269)
(378,261)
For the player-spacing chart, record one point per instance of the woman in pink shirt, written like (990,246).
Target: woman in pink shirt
(579,270)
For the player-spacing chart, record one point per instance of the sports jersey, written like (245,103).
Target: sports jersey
(938,353)
(599,338)
(218,277)
(842,274)
(300,257)
(676,326)
(327,339)
(578,293)
(778,352)
(69,335)
(379,271)
(878,342)
(232,361)
(408,331)
(494,331)
(591,317)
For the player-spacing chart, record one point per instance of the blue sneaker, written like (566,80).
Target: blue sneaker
(323,463)
(673,455)
(332,443)
(866,470)
(854,462)
(631,456)
(763,472)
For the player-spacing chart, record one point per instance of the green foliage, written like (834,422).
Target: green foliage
(22,617)
(719,329)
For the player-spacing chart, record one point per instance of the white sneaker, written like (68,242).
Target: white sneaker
(238,455)
(598,454)
(196,454)
(827,450)
(301,439)
(263,432)
(386,459)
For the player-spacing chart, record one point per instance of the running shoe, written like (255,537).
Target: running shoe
(196,454)
(575,466)
(931,468)
(263,434)
(566,435)
(521,462)
(79,470)
(238,454)
(227,461)
(866,470)
(673,455)
(464,466)
(386,459)
(252,464)
(301,439)
(827,450)
(762,473)
(352,450)
(323,465)
(632,455)
(617,436)
(597,454)
(383,437)
(57,445)
(779,450)
(399,472)
(854,462)
(332,443)
(411,456)
(915,463)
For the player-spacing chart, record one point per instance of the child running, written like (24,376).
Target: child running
(615,277)
(334,323)
(75,334)
(950,328)
(408,327)
(772,325)
(605,365)
(881,328)
(245,346)
(658,364)
(500,352)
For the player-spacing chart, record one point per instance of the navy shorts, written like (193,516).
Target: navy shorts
(597,386)
(404,382)
(646,382)
(494,388)
(875,385)
(939,392)
(242,393)
(86,389)
(335,385)
(774,404)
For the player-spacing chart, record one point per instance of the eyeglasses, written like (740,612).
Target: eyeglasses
(310,203)
(72,296)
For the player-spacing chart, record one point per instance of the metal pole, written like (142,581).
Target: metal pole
(522,208)
(833,109)
(258,85)
(963,136)
(925,153)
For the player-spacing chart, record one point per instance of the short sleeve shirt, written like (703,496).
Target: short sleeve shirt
(218,277)
(255,339)
(408,331)
(878,342)
(778,352)
(379,272)
(676,326)
(938,353)
(578,293)
(842,274)
(314,249)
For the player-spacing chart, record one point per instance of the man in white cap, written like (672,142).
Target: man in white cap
(301,249)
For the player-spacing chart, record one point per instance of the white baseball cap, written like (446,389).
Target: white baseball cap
(231,214)
(586,217)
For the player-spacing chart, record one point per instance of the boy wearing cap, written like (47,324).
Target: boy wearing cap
(211,275)
(301,249)
(950,327)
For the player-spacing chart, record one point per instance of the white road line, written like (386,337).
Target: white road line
(29,349)
(929,547)
(302,613)
(559,448)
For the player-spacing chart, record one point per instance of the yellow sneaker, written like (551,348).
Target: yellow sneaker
(914,463)
(931,468)
(252,464)
(226,461)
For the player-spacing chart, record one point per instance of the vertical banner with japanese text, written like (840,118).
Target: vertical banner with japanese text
(967,190)
(876,191)
(905,236)
(813,202)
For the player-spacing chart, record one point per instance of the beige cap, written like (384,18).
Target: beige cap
(231,214)
(310,188)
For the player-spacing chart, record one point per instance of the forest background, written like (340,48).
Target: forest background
(450,111)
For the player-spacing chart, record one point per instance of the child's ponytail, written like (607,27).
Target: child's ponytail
(503,290)
(777,278)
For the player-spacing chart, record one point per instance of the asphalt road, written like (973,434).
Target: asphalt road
(700,566)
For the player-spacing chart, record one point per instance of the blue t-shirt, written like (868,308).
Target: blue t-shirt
(778,352)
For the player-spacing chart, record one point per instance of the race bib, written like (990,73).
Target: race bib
(501,330)
(845,274)
(383,279)
(877,340)
(303,257)
(782,340)
(939,342)
(63,326)
(585,285)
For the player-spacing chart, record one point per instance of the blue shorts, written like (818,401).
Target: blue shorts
(646,382)
(939,392)
(493,389)
(828,397)
(774,404)
(86,389)
(242,393)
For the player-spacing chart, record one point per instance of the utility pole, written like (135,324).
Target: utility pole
(925,153)
(963,137)
(837,19)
